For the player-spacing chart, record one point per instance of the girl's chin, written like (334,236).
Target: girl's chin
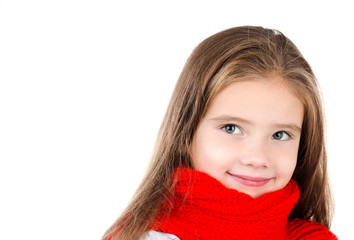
(254,193)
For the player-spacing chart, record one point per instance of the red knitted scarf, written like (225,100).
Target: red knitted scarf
(204,209)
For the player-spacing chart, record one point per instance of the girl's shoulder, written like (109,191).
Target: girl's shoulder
(153,235)
(298,229)
(305,229)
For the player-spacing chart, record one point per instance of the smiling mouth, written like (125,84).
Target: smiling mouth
(250,181)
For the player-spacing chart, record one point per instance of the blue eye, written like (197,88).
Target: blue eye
(231,129)
(282,136)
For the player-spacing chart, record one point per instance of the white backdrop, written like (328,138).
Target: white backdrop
(84,86)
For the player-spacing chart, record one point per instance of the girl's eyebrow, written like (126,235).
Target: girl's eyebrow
(292,127)
(227,118)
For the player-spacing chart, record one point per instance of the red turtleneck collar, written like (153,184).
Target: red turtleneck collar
(204,209)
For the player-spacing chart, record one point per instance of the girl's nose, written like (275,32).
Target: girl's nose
(255,155)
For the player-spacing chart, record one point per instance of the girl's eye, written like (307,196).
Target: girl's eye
(282,136)
(232,129)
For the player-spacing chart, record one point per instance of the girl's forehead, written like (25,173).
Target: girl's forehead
(257,99)
(257,85)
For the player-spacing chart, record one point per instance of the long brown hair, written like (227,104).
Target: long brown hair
(221,59)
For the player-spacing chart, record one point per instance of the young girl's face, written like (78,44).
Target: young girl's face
(249,138)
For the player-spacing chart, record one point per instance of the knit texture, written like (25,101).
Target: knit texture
(205,209)
(303,229)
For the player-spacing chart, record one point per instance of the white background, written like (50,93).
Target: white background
(84,86)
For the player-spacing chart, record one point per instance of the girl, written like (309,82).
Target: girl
(241,150)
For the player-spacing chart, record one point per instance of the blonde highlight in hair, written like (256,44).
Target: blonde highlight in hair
(226,57)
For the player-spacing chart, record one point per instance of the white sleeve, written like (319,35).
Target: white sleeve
(153,235)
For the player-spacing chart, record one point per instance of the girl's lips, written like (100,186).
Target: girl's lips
(250,181)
